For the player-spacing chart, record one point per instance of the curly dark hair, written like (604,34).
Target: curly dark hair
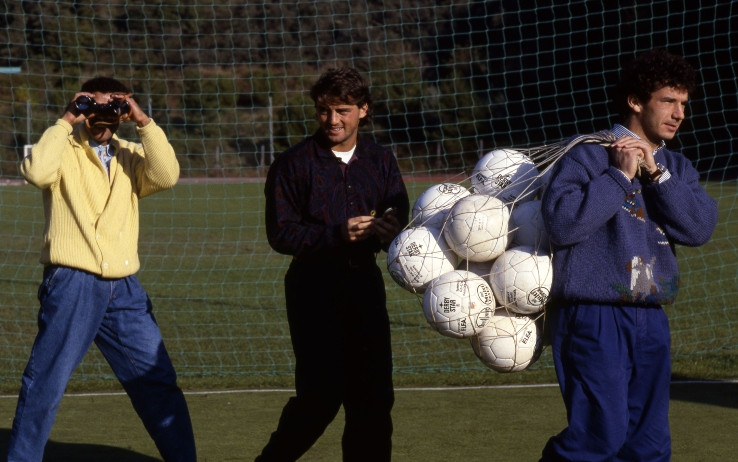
(104,85)
(342,85)
(648,72)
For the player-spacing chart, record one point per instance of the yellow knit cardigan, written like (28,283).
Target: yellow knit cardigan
(92,218)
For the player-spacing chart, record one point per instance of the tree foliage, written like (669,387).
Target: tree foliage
(449,76)
(206,70)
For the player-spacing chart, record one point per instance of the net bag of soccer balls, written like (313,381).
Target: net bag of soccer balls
(479,258)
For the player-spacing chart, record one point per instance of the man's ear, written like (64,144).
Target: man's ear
(635,104)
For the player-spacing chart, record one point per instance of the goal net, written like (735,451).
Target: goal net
(452,80)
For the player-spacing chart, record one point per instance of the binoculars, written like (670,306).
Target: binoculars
(112,110)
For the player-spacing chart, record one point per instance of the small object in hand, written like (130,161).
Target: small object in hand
(642,166)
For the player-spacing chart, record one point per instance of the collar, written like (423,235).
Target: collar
(83,139)
(620,130)
(95,145)
(324,150)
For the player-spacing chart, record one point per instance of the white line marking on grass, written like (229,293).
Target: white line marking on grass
(478,387)
(290,390)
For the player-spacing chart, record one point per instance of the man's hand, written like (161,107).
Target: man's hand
(136,114)
(358,228)
(386,227)
(629,155)
(71,114)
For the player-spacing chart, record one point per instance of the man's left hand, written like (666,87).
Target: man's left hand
(386,227)
(136,114)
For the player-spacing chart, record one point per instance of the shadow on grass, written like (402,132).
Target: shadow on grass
(717,393)
(68,452)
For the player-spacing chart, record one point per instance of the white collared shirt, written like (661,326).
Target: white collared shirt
(104,152)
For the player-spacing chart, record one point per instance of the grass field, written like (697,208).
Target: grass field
(217,292)
(471,424)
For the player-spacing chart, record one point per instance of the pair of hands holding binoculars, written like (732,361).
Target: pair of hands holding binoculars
(105,109)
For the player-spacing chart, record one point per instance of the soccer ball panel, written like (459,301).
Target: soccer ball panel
(480,268)
(506,174)
(509,342)
(527,227)
(476,228)
(432,206)
(521,279)
(458,304)
(417,256)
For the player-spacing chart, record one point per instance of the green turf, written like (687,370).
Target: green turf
(217,293)
(505,424)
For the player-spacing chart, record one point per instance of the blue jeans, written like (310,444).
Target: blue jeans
(78,308)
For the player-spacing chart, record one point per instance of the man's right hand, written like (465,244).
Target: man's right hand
(71,114)
(628,154)
(358,228)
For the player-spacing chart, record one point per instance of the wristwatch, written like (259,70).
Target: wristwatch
(656,174)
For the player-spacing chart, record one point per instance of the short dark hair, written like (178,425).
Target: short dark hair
(104,85)
(649,72)
(344,85)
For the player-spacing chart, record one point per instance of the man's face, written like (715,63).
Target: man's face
(99,130)
(659,118)
(340,123)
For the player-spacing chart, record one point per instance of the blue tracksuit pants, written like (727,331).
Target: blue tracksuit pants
(613,365)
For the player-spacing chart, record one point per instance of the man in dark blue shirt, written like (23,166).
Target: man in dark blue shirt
(333,202)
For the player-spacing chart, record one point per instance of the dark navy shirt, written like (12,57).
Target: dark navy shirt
(310,194)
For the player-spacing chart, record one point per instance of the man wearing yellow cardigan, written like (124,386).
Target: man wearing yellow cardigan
(91,182)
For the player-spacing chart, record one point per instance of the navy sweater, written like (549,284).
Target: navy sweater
(613,239)
(310,194)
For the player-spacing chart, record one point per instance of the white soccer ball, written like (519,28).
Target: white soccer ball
(476,227)
(416,256)
(506,174)
(521,279)
(432,206)
(527,227)
(458,304)
(509,342)
(480,268)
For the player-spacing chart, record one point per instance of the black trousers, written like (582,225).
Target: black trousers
(341,339)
